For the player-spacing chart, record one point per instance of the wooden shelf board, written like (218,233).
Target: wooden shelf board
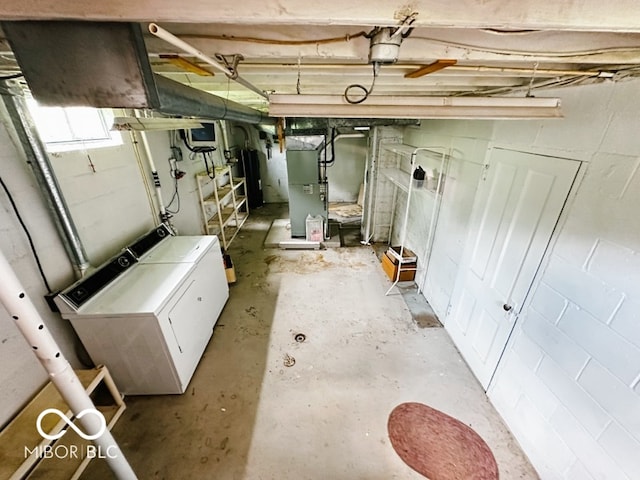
(63,469)
(21,432)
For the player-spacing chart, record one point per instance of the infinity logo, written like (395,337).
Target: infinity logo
(93,411)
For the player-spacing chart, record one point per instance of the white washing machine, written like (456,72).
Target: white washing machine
(151,322)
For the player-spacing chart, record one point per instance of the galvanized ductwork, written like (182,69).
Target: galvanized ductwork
(105,65)
(39,161)
(176,99)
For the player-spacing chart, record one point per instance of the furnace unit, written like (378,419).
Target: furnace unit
(307,191)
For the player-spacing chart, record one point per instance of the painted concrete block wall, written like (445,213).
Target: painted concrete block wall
(467,143)
(105,193)
(573,364)
(21,374)
(185,206)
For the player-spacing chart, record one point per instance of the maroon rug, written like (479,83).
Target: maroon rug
(439,446)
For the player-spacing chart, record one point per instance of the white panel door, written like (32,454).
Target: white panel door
(516,210)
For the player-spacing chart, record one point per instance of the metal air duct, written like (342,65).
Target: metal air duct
(105,65)
(38,159)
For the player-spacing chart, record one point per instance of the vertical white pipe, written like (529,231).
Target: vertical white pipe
(145,179)
(225,139)
(154,173)
(30,324)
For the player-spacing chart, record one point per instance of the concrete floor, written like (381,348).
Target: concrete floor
(248,415)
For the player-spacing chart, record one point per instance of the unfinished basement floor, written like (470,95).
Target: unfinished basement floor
(262,406)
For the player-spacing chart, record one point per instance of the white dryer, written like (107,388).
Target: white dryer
(151,323)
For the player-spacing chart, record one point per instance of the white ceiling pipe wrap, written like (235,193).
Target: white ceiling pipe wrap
(32,327)
(190,49)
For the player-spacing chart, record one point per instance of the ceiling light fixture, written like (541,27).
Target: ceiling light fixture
(418,107)
(154,123)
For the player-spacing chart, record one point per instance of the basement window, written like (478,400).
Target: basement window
(74,128)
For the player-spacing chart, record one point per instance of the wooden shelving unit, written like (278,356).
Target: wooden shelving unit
(21,433)
(224,204)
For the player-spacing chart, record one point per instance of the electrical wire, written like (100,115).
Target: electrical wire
(349,37)
(176,193)
(577,53)
(366,92)
(546,84)
(26,231)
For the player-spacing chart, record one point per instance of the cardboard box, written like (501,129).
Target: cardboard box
(407,272)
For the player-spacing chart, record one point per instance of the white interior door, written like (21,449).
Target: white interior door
(515,213)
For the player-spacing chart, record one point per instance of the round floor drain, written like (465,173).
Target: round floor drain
(300,337)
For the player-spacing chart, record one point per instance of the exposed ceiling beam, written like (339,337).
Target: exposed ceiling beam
(594,15)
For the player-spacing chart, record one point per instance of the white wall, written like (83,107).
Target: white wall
(106,197)
(467,144)
(188,220)
(347,173)
(568,384)
(21,374)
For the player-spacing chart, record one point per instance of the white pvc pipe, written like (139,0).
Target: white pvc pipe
(154,173)
(32,327)
(169,37)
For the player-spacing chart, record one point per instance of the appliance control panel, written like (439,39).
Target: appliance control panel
(150,240)
(81,291)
